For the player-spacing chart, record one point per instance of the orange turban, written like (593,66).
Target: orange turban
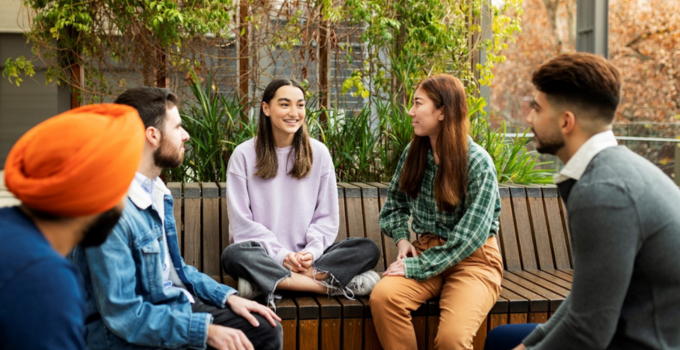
(77,163)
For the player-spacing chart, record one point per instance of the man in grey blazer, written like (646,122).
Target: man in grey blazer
(624,219)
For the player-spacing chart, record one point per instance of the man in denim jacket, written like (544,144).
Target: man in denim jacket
(139,292)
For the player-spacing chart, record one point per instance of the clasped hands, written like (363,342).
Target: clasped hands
(298,262)
(397,268)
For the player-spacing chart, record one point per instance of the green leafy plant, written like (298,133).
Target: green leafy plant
(365,145)
(216,126)
(513,162)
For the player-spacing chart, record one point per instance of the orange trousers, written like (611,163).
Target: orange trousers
(467,290)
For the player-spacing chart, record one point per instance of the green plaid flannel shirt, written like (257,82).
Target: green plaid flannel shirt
(465,230)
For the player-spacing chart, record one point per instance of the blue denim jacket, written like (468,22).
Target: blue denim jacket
(126,302)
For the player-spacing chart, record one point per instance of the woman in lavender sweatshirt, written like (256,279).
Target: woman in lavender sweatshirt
(283,210)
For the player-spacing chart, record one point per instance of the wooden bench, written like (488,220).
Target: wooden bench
(533,240)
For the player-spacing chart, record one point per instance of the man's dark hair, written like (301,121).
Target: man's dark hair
(581,80)
(150,102)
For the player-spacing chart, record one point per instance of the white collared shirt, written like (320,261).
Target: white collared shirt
(145,193)
(578,163)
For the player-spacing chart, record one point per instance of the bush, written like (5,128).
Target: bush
(365,146)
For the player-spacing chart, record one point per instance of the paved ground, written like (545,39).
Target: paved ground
(6,198)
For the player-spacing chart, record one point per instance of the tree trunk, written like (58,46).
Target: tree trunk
(324,67)
(162,70)
(570,6)
(244,60)
(552,6)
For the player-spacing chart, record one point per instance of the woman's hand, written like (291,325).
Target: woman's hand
(305,259)
(520,347)
(406,249)
(396,269)
(291,263)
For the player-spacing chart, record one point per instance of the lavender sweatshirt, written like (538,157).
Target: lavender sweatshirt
(283,214)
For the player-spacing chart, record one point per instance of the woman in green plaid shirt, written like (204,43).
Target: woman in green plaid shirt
(447,185)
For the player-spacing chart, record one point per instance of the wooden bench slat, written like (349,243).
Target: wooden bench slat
(352,323)
(523,224)
(433,312)
(287,311)
(351,308)
(286,308)
(224,225)
(192,225)
(551,278)
(508,236)
(496,320)
(537,317)
(290,329)
(565,225)
(501,306)
(308,334)
(371,341)
(331,324)
(211,230)
(307,308)
(371,210)
(540,228)
(390,251)
(353,207)
(537,303)
(342,230)
(352,333)
(518,319)
(329,307)
(176,191)
(330,333)
(554,299)
(556,230)
(561,274)
(515,302)
(308,322)
(542,282)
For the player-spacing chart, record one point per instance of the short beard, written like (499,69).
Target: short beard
(164,159)
(548,145)
(97,232)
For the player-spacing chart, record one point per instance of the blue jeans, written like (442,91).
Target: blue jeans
(507,337)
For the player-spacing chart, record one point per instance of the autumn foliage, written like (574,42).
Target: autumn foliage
(644,42)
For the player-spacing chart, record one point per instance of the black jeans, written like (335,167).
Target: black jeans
(342,260)
(264,337)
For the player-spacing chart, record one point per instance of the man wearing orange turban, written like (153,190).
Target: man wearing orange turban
(71,174)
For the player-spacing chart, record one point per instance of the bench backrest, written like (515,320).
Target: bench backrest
(533,235)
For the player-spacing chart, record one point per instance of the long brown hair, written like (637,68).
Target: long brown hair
(450,185)
(265,149)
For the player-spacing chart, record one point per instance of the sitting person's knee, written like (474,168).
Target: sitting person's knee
(373,250)
(453,339)
(382,295)
(268,337)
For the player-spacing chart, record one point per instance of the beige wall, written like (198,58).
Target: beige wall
(13,16)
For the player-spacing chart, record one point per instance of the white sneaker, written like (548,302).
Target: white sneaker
(360,285)
(247,290)
(363,284)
